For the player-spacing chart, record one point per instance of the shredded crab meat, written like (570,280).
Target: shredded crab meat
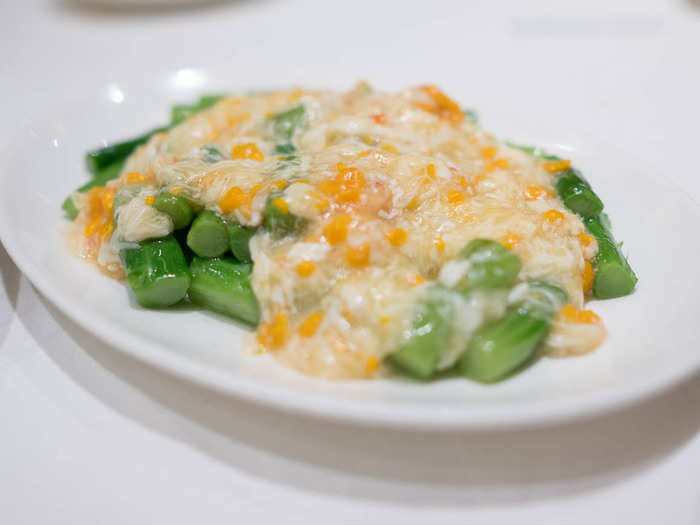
(408,163)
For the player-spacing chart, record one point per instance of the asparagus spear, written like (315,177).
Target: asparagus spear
(157,272)
(573,189)
(278,220)
(177,207)
(100,158)
(106,162)
(431,330)
(487,265)
(238,239)
(284,125)
(612,274)
(182,112)
(208,236)
(577,195)
(499,348)
(490,265)
(223,285)
(212,153)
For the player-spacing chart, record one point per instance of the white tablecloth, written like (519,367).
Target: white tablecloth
(91,436)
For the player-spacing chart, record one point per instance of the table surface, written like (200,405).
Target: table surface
(91,436)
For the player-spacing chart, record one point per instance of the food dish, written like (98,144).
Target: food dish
(381,228)
(647,349)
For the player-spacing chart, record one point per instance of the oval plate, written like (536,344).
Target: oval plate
(652,334)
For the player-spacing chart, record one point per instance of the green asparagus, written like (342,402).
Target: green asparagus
(284,126)
(182,112)
(499,348)
(576,194)
(223,285)
(157,272)
(208,236)
(612,274)
(489,265)
(280,222)
(212,153)
(431,330)
(100,158)
(178,208)
(238,239)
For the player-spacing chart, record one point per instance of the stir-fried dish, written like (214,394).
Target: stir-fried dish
(359,232)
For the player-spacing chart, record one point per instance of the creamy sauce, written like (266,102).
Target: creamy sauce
(392,186)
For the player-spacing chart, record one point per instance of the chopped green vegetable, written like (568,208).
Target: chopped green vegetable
(612,273)
(238,239)
(206,101)
(69,208)
(431,330)
(182,112)
(577,195)
(178,208)
(281,222)
(157,272)
(106,162)
(573,189)
(284,126)
(100,158)
(212,153)
(284,149)
(491,265)
(208,236)
(223,285)
(499,348)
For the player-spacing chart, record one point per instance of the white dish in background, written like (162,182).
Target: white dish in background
(651,343)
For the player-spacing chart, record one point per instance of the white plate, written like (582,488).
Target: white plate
(652,339)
